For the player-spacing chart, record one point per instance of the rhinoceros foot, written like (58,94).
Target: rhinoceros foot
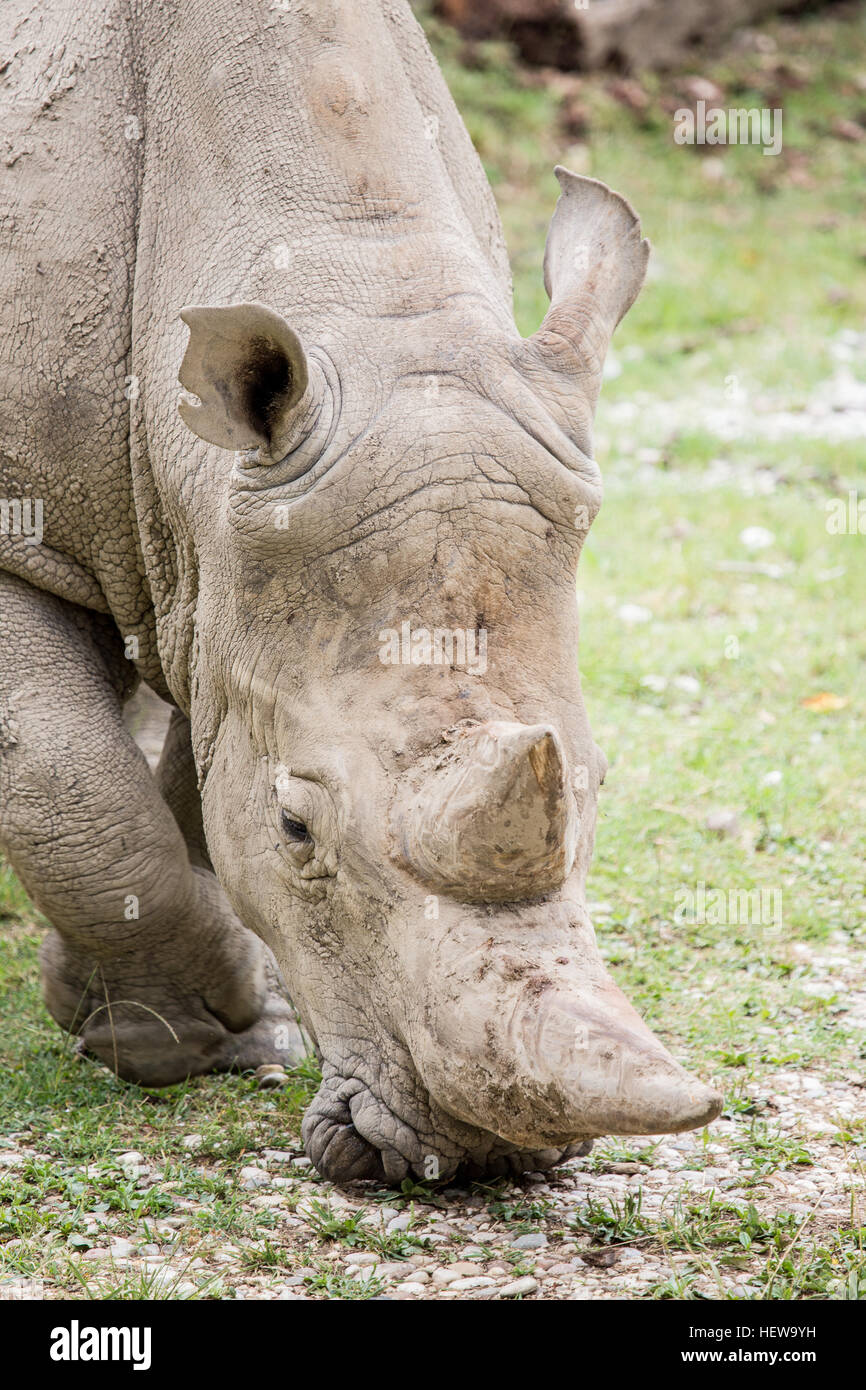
(156,1029)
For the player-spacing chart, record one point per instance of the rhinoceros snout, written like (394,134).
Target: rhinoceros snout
(523,1033)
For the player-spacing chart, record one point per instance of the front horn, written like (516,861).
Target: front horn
(496,820)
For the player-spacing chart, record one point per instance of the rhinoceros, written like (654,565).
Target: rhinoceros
(344,552)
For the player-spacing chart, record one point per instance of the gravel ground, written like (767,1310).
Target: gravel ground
(596,1228)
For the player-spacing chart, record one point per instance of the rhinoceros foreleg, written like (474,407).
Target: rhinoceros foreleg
(146,962)
(178,786)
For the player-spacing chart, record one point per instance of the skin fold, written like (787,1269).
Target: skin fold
(279,206)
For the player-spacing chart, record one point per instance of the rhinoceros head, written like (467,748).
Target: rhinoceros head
(399,781)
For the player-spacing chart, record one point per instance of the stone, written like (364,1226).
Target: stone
(252,1178)
(519,1288)
(398,1223)
(122,1249)
(393,1269)
(722,821)
(131,1159)
(535,1240)
(273,1081)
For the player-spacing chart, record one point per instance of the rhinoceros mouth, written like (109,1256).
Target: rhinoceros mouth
(350,1133)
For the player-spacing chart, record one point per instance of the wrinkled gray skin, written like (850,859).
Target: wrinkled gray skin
(366,441)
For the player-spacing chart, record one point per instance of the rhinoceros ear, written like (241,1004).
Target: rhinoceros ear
(250,373)
(594,266)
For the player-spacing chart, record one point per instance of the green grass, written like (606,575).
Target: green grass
(718,1236)
(758,267)
(352,1232)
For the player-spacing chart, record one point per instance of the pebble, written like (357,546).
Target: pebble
(478,1281)
(167,1280)
(133,1164)
(393,1269)
(627,1256)
(535,1240)
(252,1177)
(632,613)
(273,1081)
(519,1287)
(131,1159)
(722,821)
(122,1249)
(398,1223)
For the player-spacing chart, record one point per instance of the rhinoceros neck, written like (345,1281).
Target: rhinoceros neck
(306,155)
(299,154)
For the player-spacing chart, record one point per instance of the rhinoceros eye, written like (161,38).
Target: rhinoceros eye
(306,820)
(294,830)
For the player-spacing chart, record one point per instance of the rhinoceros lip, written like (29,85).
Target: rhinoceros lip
(345,1107)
